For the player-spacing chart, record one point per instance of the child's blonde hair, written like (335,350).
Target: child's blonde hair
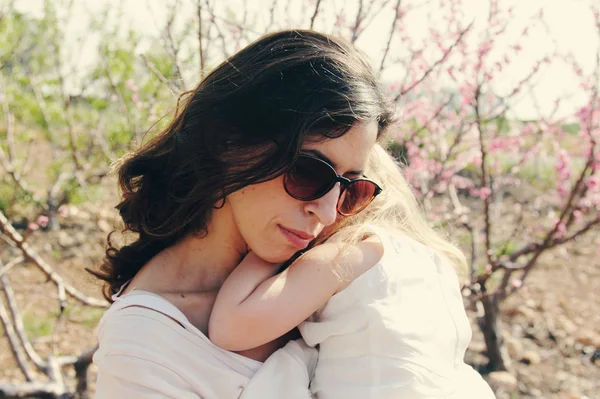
(396,207)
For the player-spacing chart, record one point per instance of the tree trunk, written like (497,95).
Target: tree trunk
(489,323)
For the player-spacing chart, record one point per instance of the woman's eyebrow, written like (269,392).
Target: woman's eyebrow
(323,157)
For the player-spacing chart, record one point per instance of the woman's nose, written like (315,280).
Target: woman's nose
(325,208)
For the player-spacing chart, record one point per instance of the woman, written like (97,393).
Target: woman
(216,184)
(381,299)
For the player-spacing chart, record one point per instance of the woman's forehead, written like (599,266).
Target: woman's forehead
(347,154)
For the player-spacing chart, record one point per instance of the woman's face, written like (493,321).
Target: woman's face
(275,225)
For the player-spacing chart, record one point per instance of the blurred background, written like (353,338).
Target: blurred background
(499,139)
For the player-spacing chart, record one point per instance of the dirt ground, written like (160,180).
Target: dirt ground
(552,327)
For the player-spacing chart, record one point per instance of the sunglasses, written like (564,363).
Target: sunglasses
(310,178)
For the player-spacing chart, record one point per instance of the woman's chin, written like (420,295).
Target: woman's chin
(278,256)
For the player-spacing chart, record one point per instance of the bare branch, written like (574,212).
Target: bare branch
(453,146)
(18,324)
(119,95)
(241,27)
(33,257)
(472,269)
(13,262)
(484,179)
(271,16)
(14,345)
(220,34)
(515,91)
(438,62)
(359,16)
(200,47)
(174,50)
(392,31)
(375,14)
(8,162)
(174,89)
(32,390)
(430,120)
(314,16)
(81,366)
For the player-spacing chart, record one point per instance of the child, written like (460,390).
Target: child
(380,298)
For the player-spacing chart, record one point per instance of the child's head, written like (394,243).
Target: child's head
(396,207)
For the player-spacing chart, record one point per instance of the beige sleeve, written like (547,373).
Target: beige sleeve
(122,376)
(285,374)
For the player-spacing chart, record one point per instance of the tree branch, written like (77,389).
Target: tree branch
(392,31)
(33,257)
(438,62)
(200,47)
(174,89)
(357,21)
(18,324)
(484,179)
(314,16)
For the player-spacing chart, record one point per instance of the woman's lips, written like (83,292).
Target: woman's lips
(297,238)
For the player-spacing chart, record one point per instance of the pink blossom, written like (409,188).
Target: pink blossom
(63,210)
(484,48)
(517,283)
(562,190)
(135,98)
(467,95)
(43,220)
(484,193)
(527,130)
(584,114)
(593,183)
(33,226)
(447,174)
(517,48)
(131,85)
(393,87)
(563,165)
(417,163)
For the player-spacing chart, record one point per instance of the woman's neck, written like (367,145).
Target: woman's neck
(199,263)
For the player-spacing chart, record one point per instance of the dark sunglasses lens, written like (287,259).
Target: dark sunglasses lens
(356,197)
(308,179)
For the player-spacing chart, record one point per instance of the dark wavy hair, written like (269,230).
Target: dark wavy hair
(243,124)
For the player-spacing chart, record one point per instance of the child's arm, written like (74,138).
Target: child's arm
(250,312)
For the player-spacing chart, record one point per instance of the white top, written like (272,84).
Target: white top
(149,349)
(398,331)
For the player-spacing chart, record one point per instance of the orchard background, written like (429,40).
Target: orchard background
(499,138)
